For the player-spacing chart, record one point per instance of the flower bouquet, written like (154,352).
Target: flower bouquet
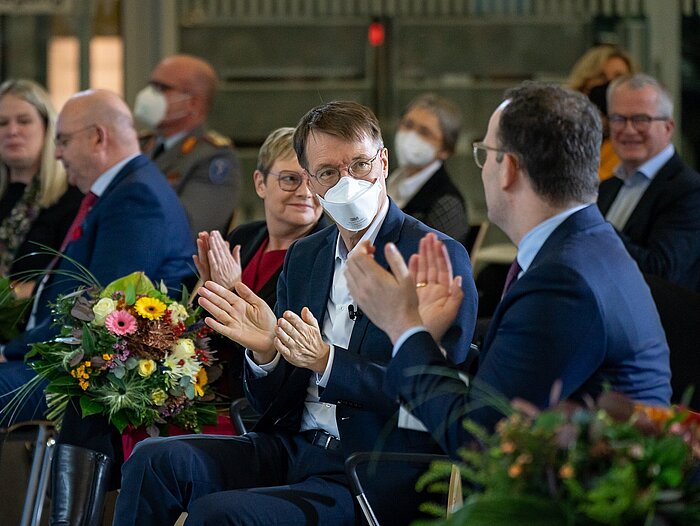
(615,463)
(131,353)
(12,311)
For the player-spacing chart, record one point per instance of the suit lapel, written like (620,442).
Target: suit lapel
(645,207)
(607,193)
(389,232)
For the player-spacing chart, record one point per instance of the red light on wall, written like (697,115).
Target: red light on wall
(375,34)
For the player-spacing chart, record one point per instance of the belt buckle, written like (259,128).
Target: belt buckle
(329,439)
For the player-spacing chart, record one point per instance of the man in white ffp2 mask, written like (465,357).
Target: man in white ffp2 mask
(200,164)
(314,367)
(426,137)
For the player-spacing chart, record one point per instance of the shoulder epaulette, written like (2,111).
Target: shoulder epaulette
(217,139)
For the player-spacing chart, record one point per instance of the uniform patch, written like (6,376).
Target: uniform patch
(188,145)
(219,170)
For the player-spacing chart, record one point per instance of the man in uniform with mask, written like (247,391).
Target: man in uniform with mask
(200,164)
(426,137)
(314,368)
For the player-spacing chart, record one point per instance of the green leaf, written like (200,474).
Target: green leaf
(137,281)
(507,510)
(120,420)
(89,406)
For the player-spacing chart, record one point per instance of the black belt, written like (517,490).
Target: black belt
(318,437)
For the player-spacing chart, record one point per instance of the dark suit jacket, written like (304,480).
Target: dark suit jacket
(366,417)
(581,313)
(137,224)
(250,236)
(663,232)
(440,205)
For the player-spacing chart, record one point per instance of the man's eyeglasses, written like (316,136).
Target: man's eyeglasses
(62,139)
(481,151)
(289,181)
(358,169)
(640,122)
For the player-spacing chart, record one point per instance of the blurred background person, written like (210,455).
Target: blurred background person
(36,203)
(200,164)
(591,75)
(426,137)
(291,212)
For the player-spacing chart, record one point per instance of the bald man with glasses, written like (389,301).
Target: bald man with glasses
(653,200)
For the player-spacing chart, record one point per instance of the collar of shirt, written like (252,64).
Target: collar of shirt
(402,188)
(532,242)
(102,182)
(341,251)
(169,142)
(649,169)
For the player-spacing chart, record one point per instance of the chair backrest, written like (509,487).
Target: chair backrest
(679,310)
(380,466)
(243,416)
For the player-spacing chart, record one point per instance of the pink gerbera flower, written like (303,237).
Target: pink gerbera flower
(121,323)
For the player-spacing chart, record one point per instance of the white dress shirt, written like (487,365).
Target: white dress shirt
(336,330)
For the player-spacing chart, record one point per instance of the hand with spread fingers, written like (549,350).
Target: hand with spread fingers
(439,294)
(243,318)
(389,300)
(215,261)
(225,264)
(298,340)
(201,258)
(424,293)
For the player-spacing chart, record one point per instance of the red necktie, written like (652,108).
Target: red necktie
(512,275)
(75,230)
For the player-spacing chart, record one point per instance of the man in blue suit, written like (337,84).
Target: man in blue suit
(577,315)
(314,368)
(132,220)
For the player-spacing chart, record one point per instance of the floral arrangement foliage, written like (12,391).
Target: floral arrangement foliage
(12,311)
(131,353)
(615,463)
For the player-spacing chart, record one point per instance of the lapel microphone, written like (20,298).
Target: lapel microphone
(354,314)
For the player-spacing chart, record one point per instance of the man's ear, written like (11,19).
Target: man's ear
(511,171)
(259,183)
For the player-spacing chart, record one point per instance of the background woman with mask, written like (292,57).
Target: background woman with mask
(36,203)
(427,136)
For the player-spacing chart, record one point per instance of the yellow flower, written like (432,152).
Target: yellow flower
(158,396)
(507,447)
(146,368)
(150,308)
(515,470)
(106,357)
(566,471)
(200,381)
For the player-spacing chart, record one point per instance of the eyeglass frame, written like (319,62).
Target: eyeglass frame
(480,145)
(281,174)
(349,169)
(619,122)
(62,139)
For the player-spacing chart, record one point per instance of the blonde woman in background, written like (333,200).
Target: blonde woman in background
(591,75)
(36,203)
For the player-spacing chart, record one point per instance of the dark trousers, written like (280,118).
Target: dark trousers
(253,479)
(13,375)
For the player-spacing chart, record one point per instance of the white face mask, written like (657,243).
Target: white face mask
(413,150)
(150,106)
(352,203)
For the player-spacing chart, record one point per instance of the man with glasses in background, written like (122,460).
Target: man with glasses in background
(653,201)
(314,368)
(200,164)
